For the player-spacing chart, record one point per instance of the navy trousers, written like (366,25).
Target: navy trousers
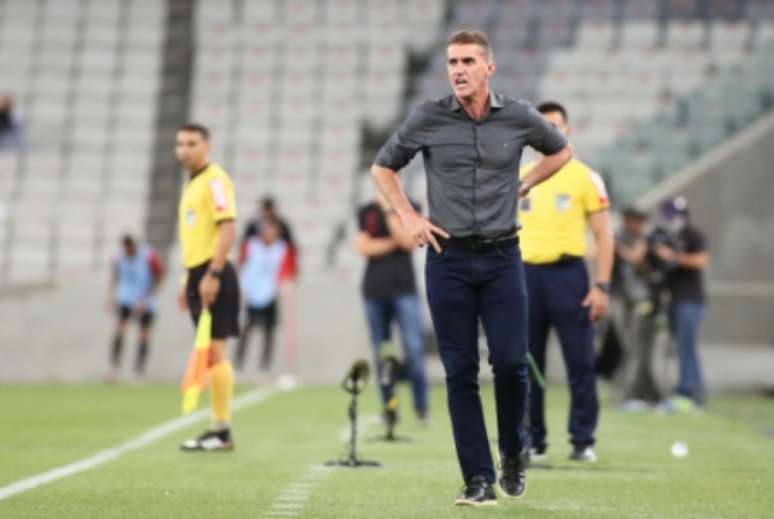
(556,292)
(464,288)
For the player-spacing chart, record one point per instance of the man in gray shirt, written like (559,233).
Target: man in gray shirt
(471,143)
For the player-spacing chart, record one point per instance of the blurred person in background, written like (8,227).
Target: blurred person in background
(206,228)
(267,210)
(11,135)
(288,278)
(136,274)
(633,310)
(682,247)
(555,216)
(260,262)
(390,294)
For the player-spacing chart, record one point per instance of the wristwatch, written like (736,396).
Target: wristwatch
(217,274)
(604,287)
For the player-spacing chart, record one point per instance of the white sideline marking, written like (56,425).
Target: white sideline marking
(291,500)
(112,453)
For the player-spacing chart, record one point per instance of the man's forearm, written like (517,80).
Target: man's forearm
(604,244)
(547,166)
(604,260)
(388,183)
(634,254)
(398,233)
(374,247)
(698,260)
(226,235)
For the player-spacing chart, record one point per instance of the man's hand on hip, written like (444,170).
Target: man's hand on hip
(422,230)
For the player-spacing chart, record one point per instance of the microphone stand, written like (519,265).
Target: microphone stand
(352,386)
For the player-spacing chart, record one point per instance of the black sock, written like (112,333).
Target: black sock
(115,352)
(268,348)
(142,355)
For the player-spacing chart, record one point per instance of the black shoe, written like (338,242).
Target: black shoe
(210,441)
(479,492)
(513,480)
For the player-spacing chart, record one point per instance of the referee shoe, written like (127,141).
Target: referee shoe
(210,441)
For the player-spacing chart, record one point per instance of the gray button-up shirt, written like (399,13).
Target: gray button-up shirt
(471,166)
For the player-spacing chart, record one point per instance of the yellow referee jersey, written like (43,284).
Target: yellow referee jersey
(207,198)
(554,214)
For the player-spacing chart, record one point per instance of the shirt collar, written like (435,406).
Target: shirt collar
(198,172)
(495,102)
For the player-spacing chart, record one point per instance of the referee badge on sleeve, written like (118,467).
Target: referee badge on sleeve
(190,217)
(219,196)
(599,185)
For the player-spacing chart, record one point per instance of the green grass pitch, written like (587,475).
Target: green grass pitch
(729,471)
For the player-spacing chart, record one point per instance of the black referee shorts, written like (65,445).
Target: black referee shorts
(225,309)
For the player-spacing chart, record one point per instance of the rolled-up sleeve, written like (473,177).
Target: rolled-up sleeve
(404,143)
(542,135)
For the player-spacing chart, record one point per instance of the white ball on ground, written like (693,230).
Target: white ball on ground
(679,449)
(286,382)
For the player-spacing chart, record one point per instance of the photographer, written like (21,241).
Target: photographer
(682,249)
(635,292)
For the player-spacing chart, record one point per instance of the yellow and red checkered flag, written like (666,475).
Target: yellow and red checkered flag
(195,378)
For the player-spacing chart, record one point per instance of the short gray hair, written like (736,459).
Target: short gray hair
(472,37)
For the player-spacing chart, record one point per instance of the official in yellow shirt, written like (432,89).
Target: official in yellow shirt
(206,230)
(555,216)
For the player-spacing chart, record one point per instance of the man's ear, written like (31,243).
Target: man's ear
(492,68)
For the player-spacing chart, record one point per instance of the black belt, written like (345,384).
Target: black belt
(567,258)
(478,244)
(564,259)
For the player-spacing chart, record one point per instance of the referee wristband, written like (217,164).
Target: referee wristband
(604,287)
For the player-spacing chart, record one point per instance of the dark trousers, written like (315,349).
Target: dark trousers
(256,317)
(685,320)
(406,313)
(556,292)
(462,288)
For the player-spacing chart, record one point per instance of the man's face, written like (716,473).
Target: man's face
(469,69)
(191,149)
(267,211)
(6,103)
(269,232)
(633,225)
(556,119)
(676,223)
(129,249)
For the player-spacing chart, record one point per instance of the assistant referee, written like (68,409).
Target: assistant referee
(206,225)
